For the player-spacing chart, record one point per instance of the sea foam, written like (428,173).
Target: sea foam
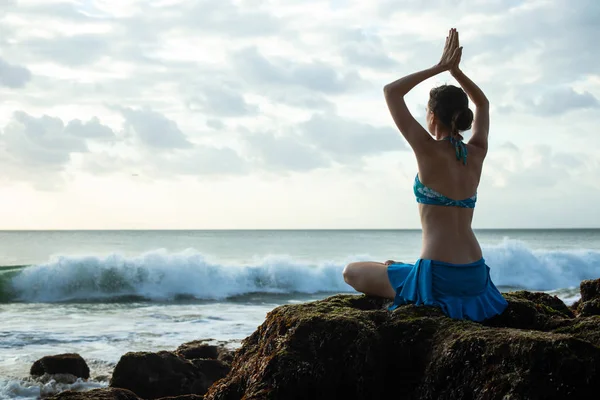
(162,276)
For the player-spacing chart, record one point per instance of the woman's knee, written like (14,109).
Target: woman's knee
(351,273)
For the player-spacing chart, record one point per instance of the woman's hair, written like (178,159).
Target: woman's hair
(450,105)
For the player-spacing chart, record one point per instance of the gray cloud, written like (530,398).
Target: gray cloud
(537,167)
(221,101)
(13,76)
(46,142)
(343,138)
(285,153)
(203,160)
(92,129)
(563,100)
(153,129)
(367,56)
(70,50)
(225,17)
(52,11)
(387,8)
(320,140)
(215,124)
(198,161)
(361,48)
(315,76)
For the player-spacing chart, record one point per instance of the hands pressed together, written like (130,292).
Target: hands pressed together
(452,53)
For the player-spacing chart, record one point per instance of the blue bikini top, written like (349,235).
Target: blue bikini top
(426,195)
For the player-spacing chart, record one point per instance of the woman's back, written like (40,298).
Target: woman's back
(447,232)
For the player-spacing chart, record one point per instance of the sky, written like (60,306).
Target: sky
(269,114)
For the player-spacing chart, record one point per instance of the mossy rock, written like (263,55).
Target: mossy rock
(590,307)
(353,347)
(590,290)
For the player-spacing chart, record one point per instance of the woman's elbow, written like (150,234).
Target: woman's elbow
(390,90)
(386,90)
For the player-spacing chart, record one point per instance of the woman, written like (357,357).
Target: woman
(451,272)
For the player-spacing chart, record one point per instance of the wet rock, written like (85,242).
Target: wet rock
(213,370)
(590,290)
(591,307)
(352,347)
(155,375)
(72,364)
(203,349)
(589,304)
(97,394)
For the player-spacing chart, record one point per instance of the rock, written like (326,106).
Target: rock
(536,311)
(591,307)
(585,328)
(511,364)
(213,370)
(202,349)
(61,364)
(590,290)
(184,397)
(575,306)
(351,347)
(589,304)
(155,375)
(97,394)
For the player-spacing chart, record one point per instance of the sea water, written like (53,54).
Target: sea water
(104,293)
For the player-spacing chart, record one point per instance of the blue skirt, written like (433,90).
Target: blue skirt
(462,291)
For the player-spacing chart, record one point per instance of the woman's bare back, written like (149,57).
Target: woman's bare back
(447,232)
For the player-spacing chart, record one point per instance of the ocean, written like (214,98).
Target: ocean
(104,293)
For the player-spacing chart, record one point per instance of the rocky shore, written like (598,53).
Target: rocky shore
(351,347)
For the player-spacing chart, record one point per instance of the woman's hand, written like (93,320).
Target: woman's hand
(455,69)
(452,52)
(390,262)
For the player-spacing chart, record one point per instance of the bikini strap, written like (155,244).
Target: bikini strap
(460,149)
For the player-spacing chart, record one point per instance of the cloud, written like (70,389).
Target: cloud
(279,153)
(315,75)
(345,138)
(359,47)
(203,161)
(321,140)
(46,142)
(225,17)
(153,129)
(563,100)
(199,161)
(527,169)
(229,88)
(216,124)
(13,76)
(221,101)
(74,51)
(92,129)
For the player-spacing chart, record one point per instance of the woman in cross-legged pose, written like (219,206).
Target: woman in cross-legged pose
(451,272)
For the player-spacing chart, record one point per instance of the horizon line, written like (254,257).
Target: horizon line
(276,229)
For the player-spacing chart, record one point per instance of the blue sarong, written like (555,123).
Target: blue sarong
(462,291)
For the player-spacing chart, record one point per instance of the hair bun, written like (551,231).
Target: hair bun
(463,119)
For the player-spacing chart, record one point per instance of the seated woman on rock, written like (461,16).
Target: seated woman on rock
(451,272)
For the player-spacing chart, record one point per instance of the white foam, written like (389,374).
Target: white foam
(513,264)
(32,389)
(160,275)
